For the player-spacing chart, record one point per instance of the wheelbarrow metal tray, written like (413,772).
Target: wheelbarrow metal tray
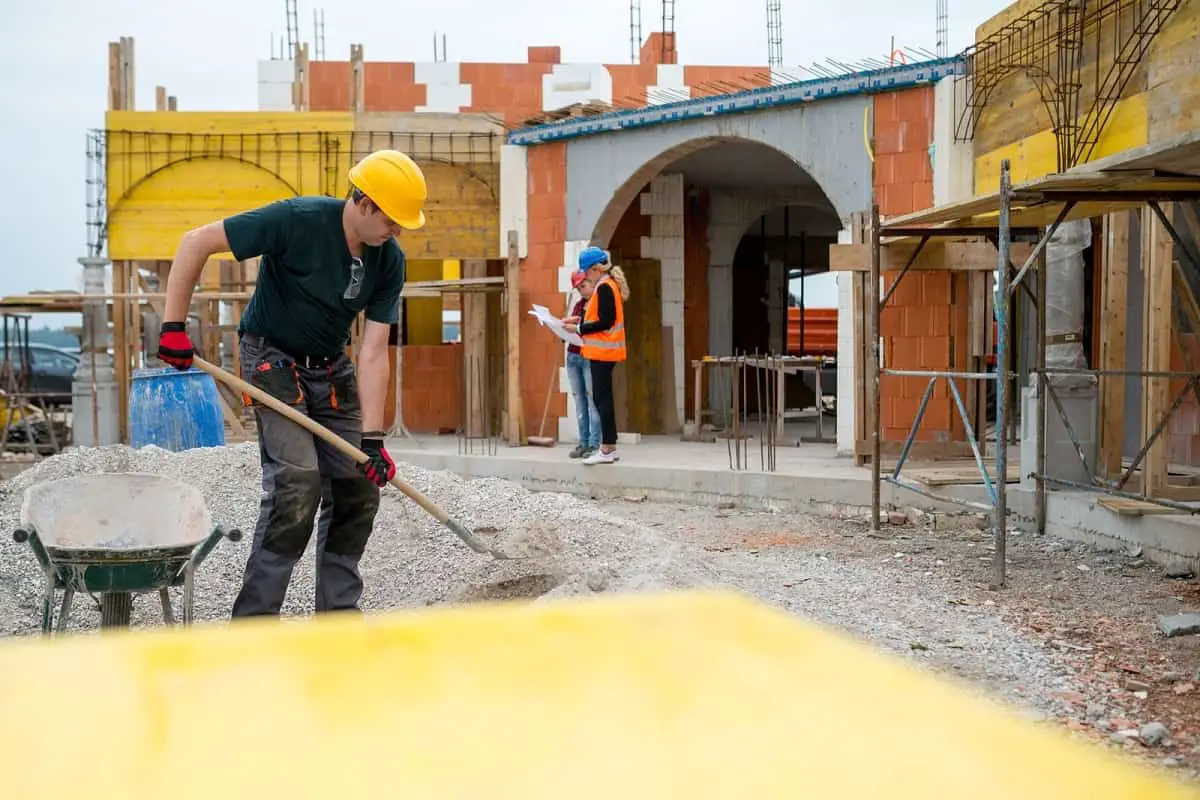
(116,532)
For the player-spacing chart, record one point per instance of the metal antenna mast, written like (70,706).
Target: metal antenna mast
(293,27)
(668,31)
(775,33)
(635,30)
(319,34)
(943,28)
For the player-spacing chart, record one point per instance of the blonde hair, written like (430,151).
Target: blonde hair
(618,275)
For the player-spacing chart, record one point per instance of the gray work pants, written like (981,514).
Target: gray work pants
(300,473)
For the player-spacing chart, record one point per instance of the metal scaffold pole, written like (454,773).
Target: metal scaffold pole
(873,368)
(1000,512)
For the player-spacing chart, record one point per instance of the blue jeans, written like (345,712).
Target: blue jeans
(586,415)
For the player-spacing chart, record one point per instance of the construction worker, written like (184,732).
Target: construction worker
(603,333)
(324,261)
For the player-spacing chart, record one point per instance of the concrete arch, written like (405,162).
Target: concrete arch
(824,141)
(734,213)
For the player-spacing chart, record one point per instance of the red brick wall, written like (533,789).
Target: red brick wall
(432,384)
(540,349)
(514,91)
(924,326)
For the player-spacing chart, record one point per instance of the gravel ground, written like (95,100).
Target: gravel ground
(1072,640)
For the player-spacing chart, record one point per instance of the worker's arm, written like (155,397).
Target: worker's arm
(261,231)
(606,312)
(374,372)
(382,312)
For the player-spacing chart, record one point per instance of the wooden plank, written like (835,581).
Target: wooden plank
(474,338)
(1114,317)
(965,474)
(920,451)
(643,336)
(1134,508)
(935,255)
(1157,316)
(514,424)
(160,98)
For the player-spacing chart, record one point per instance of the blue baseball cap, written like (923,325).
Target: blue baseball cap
(590,257)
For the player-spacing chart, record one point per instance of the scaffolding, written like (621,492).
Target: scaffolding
(1032,213)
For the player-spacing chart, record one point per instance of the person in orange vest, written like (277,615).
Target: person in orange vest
(603,333)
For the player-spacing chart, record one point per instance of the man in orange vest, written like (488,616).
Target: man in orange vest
(603,332)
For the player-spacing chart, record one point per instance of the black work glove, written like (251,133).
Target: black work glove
(175,346)
(379,467)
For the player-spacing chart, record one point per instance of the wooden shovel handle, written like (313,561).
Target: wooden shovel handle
(316,429)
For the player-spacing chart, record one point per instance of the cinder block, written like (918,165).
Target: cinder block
(628,438)
(646,204)
(564,278)
(650,247)
(671,247)
(666,225)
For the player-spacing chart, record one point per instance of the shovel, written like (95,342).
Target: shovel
(320,431)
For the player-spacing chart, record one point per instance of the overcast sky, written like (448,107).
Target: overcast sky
(54,63)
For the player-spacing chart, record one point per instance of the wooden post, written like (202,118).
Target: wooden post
(515,417)
(160,98)
(358,80)
(858,290)
(1157,247)
(1114,316)
(120,346)
(474,337)
(300,83)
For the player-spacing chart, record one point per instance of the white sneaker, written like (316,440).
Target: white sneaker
(601,457)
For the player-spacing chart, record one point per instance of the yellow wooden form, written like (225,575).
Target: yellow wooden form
(675,696)
(169,171)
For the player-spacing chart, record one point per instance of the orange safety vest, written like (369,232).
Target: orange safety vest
(606,345)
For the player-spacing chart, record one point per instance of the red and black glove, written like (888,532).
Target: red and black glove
(379,467)
(175,346)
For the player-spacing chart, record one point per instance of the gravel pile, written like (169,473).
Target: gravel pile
(411,560)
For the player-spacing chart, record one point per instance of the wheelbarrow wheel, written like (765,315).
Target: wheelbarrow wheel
(116,608)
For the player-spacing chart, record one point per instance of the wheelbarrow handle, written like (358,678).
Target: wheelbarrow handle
(29,534)
(206,547)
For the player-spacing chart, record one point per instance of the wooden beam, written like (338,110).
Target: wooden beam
(515,416)
(358,82)
(859,305)
(936,255)
(1157,318)
(474,338)
(300,82)
(1114,317)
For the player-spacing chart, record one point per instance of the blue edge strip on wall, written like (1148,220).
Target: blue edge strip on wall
(855,83)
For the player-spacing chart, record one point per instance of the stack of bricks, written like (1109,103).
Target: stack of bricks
(925,324)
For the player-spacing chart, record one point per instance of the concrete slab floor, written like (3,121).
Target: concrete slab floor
(808,477)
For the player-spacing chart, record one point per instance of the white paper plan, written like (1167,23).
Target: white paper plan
(543,316)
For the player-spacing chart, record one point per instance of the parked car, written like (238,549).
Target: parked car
(51,369)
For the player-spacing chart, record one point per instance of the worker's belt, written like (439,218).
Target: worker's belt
(303,361)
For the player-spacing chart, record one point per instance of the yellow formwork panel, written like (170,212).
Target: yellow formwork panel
(1036,156)
(168,172)
(690,695)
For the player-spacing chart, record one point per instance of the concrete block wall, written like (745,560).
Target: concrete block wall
(275,85)
(445,91)
(847,399)
(663,204)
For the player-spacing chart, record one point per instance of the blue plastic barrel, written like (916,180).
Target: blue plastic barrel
(175,410)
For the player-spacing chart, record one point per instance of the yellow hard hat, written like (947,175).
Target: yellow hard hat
(395,183)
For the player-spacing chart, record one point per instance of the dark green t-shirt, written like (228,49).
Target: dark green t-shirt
(305,300)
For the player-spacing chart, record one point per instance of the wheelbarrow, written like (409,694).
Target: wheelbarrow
(117,534)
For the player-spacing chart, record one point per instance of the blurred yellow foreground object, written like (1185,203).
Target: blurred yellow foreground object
(681,696)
